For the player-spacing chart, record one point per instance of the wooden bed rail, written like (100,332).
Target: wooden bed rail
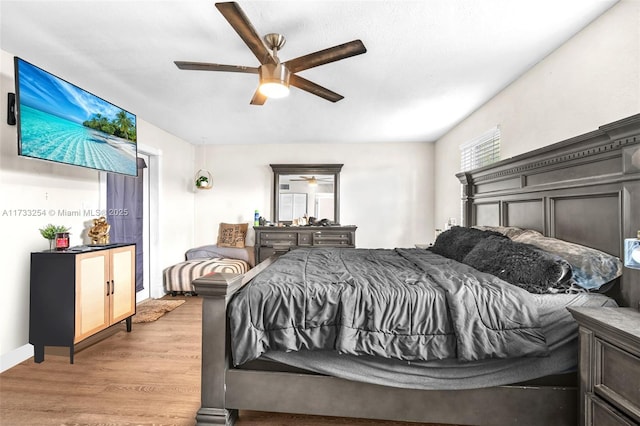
(216,290)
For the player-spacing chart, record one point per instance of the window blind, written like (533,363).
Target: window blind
(481,151)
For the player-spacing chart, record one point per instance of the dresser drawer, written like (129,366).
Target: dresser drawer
(617,378)
(265,252)
(305,239)
(270,239)
(279,236)
(276,242)
(602,414)
(332,238)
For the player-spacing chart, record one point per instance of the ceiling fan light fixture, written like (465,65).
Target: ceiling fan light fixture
(274,80)
(274,90)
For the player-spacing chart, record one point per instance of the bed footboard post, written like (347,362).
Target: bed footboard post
(216,290)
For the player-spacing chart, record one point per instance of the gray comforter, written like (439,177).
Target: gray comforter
(407,304)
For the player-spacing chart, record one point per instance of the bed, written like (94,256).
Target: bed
(583,191)
(203,260)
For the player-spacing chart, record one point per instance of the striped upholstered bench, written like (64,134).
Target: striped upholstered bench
(177,278)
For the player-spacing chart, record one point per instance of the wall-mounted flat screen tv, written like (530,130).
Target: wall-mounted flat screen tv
(60,122)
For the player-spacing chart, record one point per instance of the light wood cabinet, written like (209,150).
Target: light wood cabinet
(75,294)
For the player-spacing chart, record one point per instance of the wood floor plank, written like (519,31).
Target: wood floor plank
(150,376)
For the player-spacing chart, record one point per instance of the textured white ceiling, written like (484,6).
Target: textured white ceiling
(429,63)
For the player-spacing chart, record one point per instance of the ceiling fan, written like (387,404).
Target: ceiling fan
(276,76)
(312,180)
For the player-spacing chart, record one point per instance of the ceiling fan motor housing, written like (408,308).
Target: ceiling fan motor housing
(274,41)
(274,79)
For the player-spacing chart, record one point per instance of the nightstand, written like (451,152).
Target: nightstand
(609,365)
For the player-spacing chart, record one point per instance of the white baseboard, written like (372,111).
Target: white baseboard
(15,357)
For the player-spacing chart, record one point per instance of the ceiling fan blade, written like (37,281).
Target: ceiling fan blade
(308,86)
(258,98)
(239,21)
(205,66)
(326,56)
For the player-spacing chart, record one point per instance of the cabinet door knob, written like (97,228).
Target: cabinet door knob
(107,288)
(113,287)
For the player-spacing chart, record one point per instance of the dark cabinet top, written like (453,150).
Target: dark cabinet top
(87,248)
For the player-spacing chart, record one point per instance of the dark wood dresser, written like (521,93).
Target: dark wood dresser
(272,239)
(609,366)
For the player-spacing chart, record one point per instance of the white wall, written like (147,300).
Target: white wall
(385,189)
(591,80)
(28,186)
(175,209)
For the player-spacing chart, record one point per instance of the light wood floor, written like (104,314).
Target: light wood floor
(150,376)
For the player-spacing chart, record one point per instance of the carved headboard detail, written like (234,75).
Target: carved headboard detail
(585,190)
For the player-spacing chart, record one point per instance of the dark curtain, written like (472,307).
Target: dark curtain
(125,214)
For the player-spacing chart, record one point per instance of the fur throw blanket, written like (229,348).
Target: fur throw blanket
(457,242)
(524,265)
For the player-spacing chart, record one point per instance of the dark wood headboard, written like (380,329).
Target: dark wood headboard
(585,190)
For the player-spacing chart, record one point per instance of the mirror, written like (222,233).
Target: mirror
(306,189)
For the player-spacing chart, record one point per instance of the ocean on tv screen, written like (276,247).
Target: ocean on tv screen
(50,137)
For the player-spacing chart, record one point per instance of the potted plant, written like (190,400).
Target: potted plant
(203,179)
(49,232)
(202,182)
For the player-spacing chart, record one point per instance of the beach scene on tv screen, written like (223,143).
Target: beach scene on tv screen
(63,123)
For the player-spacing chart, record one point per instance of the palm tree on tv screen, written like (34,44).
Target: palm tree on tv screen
(124,124)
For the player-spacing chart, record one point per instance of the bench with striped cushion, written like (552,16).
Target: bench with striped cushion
(178,277)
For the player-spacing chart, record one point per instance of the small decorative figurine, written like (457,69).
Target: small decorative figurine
(99,232)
